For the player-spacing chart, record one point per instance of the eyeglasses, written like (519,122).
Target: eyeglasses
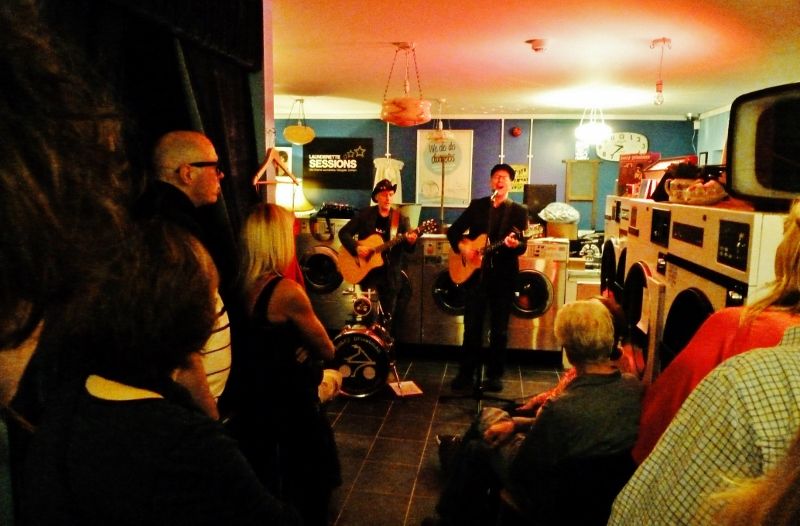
(205,164)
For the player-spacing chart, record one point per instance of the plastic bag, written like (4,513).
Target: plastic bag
(560,213)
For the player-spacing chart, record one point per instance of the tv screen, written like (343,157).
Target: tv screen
(764,145)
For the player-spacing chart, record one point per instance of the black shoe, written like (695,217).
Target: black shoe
(493,384)
(461,382)
(448,444)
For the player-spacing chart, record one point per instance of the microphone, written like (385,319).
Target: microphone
(494,196)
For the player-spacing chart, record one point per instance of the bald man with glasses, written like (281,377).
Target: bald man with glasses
(186,185)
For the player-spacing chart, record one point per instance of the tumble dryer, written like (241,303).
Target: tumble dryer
(613,256)
(318,250)
(539,293)
(717,258)
(441,301)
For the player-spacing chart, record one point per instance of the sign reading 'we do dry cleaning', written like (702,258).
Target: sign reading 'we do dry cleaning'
(338,163)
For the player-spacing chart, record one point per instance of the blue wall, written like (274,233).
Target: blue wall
(553,142)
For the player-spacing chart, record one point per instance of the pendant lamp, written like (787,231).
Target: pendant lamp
(298,133)
(662,42)
(406,110)
(593,128)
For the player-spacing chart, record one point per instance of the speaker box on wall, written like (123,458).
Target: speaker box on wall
(538,196)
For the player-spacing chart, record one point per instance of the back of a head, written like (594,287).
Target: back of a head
(63,179)
(586,331)
(141,322)
(267,242)
(175,148)
(785,292)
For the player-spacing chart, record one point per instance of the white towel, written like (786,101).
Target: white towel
(388,168)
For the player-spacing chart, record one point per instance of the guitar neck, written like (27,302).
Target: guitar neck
(392,242)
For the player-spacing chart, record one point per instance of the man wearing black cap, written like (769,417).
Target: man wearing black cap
(386,222)
(492,288)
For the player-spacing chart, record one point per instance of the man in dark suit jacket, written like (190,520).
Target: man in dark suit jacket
(386,279)
(493,288)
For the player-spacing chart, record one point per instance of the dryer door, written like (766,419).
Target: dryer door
(321,269)
(689,310)
(608,270)
(533,294)
(635,300)
(448,296)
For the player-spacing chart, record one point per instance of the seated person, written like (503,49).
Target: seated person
(726,333)
(123,443)
(737,423)
(622,356)
(596,415)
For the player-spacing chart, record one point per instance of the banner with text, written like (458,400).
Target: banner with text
(338,163)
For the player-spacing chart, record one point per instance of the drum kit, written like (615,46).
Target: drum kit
(365,349)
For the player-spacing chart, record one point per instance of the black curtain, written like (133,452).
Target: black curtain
(177,64)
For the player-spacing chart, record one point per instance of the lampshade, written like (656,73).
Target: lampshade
(291,196)
(405,110)
(593,128)
(298,133)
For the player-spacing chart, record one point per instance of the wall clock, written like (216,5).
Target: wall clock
(620,143)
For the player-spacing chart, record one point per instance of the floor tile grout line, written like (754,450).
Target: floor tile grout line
(425,445)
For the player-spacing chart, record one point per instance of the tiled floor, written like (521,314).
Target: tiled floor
(387,446)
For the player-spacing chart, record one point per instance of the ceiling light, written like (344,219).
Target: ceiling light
(405,110)
(298,133)
(439,134)
(662,42)
(538,45)
(593,128)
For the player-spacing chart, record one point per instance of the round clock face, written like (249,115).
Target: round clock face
(620,143)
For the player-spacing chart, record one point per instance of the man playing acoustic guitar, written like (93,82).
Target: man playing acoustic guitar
(499,222)
(386,222)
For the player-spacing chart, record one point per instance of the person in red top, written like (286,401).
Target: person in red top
(726,333)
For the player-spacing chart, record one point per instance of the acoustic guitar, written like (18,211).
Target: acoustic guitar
(461,268)
(354,268)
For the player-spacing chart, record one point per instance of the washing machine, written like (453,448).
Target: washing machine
(539,293)
(318,248)
(442,301)
(408,325)
(717,258)
(614,252)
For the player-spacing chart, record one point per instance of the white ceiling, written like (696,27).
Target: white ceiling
(337,54)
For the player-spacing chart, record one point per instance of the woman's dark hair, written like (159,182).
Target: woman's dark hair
(63,180)
(144,319)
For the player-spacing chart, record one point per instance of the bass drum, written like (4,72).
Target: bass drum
(362,357)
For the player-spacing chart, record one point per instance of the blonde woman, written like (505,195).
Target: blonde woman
(278,421)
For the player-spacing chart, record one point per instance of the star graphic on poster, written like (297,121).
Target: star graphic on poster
(360,151)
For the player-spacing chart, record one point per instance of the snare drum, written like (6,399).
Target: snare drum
(363,359)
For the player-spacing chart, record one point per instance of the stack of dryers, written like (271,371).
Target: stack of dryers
(539,293)
(318,250)
(643,285)
(716,258)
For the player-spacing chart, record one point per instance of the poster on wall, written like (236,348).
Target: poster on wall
(453,156)
(285,153)
(521,178)
(341,163)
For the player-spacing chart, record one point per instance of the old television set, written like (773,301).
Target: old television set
(763,150)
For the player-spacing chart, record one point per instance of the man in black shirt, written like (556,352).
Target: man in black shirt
(502,221)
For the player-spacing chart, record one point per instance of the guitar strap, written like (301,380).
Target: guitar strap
(395,224)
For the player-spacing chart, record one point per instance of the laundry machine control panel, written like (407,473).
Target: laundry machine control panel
(688,233)
(734,244)
(659,227)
